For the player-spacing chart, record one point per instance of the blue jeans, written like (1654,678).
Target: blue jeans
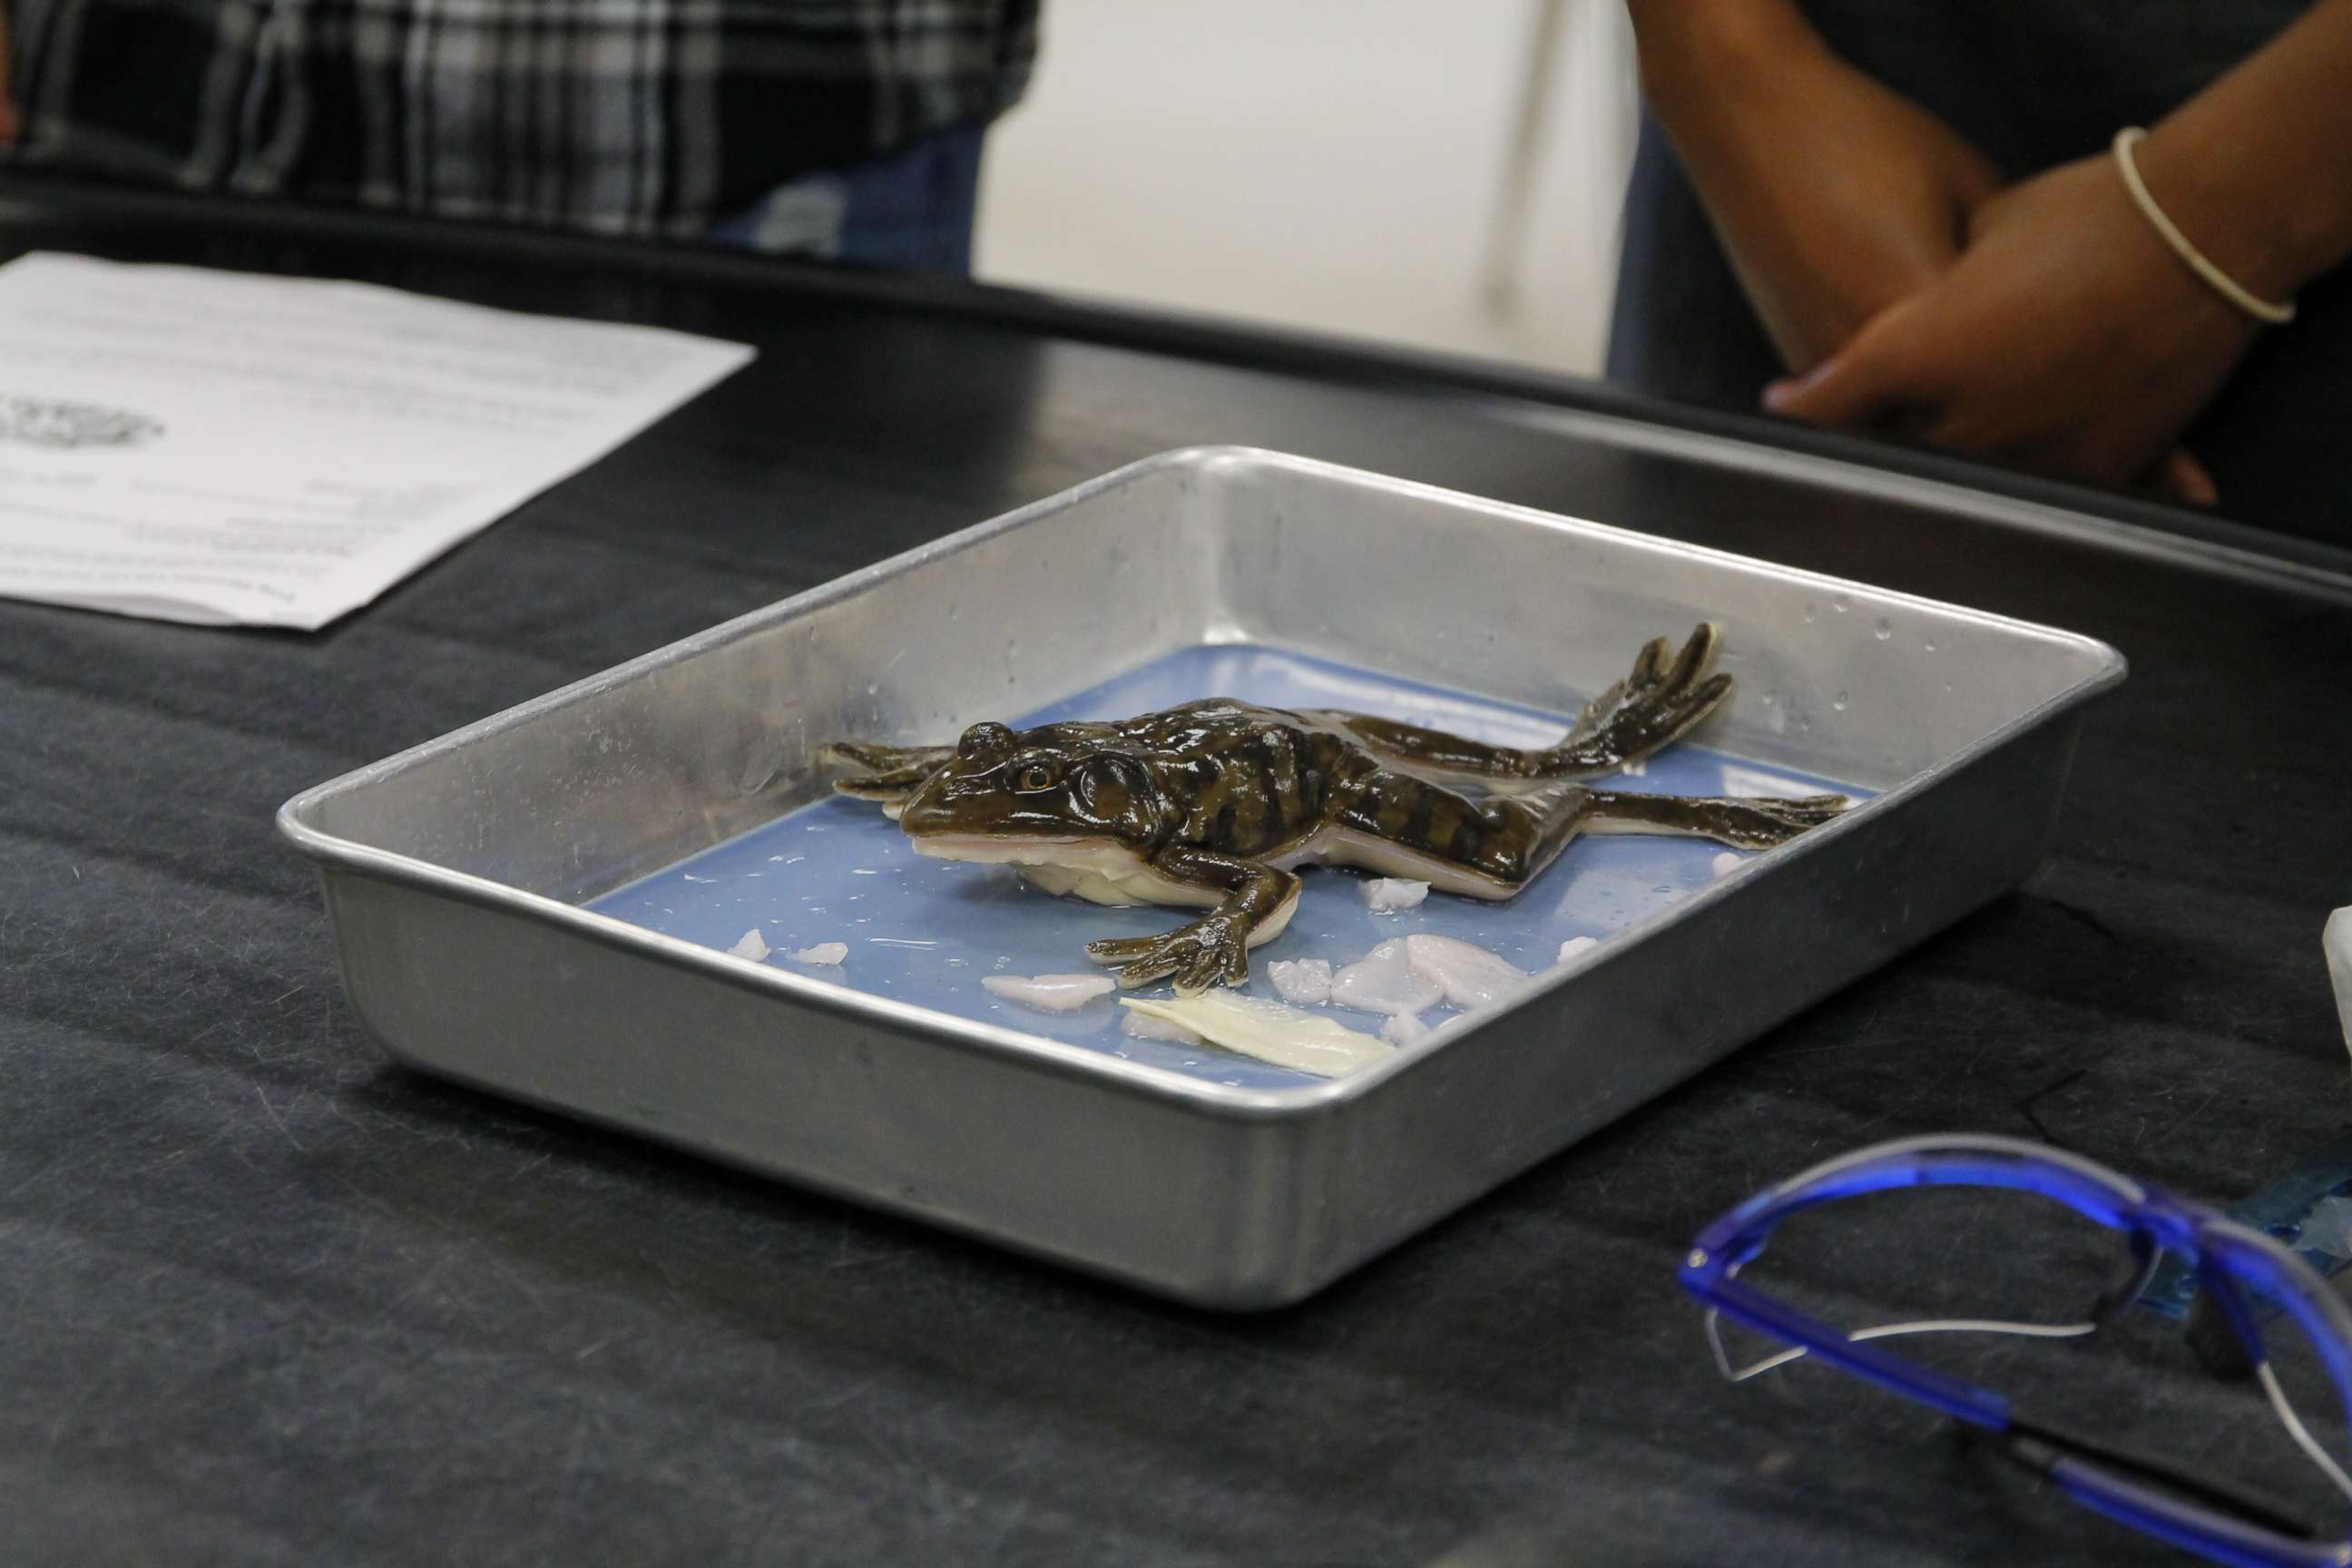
(912,209)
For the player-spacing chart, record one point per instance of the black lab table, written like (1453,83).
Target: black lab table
(272,1301)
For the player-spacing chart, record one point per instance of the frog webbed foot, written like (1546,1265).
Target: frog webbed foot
(888,773)
(1668,692)
(877,758)
(1212,950)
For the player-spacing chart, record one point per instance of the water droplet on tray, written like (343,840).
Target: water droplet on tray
(1843,602)
(1839,701)
(1882,628)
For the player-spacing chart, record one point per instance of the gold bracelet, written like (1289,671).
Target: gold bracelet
(2228,288)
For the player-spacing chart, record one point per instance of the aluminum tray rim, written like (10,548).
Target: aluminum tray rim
(333,851)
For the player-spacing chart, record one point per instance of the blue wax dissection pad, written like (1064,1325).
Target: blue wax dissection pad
(924,930)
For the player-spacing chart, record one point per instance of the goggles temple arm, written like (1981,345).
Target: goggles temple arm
(2038,1446)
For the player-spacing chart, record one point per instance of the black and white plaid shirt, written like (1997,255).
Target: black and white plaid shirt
(637,117)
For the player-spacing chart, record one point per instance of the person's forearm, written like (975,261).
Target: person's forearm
(2257,169)
(1694,52)
(1833,196)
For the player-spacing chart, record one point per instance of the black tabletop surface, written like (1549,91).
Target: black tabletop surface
(269,1300)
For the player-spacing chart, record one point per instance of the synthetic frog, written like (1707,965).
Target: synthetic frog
(1217,802)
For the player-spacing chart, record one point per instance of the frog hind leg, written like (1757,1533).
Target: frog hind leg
(1743,823)
(1481,847)
(1400,826)
(1665,694)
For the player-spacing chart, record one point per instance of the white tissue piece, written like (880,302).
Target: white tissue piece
(1049,993)
(753,946)
(1468,975)
(1577,944)
(1147,1027)
(1394,893)
(1725,864)
(824,954)
(1402,1029)
(2337,941)
(1384,981)
(1306,981)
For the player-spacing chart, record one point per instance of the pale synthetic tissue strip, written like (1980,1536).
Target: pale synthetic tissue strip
(1271,1031)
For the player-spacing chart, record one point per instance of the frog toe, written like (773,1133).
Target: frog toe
(1205,967)
(1143,972)
(1649,667)
(1137,960)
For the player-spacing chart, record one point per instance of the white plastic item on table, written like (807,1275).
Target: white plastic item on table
(2337,940)
(752,946)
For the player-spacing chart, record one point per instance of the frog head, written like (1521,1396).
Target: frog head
(1058,795)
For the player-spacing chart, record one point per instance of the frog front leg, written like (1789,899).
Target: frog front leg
(1257,903)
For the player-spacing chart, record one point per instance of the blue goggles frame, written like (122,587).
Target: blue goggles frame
(2226,1257)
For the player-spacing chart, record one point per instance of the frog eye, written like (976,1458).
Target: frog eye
(1035,777)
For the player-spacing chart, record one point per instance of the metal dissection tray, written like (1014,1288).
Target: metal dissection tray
(490,891)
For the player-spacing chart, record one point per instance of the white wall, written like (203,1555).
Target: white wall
(1335,164)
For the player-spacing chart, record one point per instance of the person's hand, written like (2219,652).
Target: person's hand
(2067,338)
(1833,195)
